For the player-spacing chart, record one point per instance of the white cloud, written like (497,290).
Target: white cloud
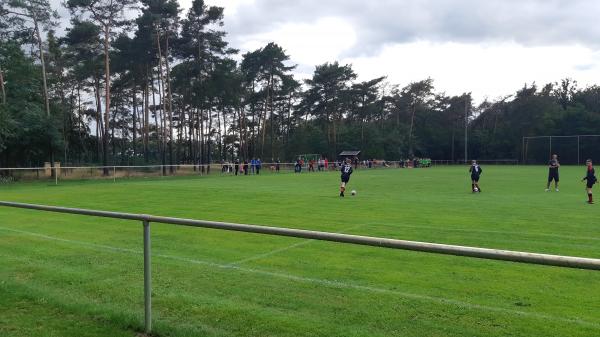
(487,70)
(308,43)
(231,6)
(490,48)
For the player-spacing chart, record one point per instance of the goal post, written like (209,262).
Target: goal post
(571,149)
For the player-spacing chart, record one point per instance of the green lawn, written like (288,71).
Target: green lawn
(67,275)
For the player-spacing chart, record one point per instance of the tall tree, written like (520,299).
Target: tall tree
(40,14)
(419,94)
(327,95)
(108,14)
(201,47)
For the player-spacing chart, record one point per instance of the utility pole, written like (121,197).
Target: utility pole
(466,127)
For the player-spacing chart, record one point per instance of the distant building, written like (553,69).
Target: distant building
(349,154)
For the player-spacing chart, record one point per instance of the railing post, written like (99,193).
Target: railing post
(147,279)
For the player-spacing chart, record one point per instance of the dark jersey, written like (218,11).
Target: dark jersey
(475,170)
(590,176)
(553,166)
(346,170)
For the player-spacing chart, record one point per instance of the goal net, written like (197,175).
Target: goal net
(571,150)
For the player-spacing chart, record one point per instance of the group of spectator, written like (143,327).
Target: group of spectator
(415,163)
(322,164)
(254,166)
(245,167)
(421,162)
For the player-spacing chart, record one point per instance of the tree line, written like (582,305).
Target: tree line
(166,88)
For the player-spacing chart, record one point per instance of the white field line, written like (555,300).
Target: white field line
(558,236)
(273,252)
(283,249)
(324,282)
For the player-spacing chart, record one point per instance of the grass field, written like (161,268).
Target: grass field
(66,275)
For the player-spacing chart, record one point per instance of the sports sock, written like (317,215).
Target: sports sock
(590,197)
(472,187)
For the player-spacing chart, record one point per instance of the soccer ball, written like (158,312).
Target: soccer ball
(353,192)
(476,189)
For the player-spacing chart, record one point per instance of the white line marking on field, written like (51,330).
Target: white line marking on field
(273,252)
(329,283)
(559,236)
(283,249)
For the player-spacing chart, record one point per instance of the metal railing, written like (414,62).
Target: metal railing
(483,253)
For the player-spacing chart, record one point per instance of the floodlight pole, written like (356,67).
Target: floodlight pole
(466,128)
(578,161)
(523,151)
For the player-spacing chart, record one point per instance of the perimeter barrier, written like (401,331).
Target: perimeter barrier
(56,172)
(482,253)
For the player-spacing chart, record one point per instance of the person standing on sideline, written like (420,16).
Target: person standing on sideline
(277,165)
(258,165)
(253,165)
(553,167)
(237,166)
(475,171)
(590,176)
(245,167)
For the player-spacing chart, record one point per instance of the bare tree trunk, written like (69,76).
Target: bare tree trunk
(45,85)
(192,135)
(2,89)
(219,132)
(134,121)
(208,138)
(410,132)
(146,136)
(170,100)
(107,96)
(264,122)
(161,92)
(201,133)
(271,119)
(155,113)
(43,62)
(80,123)
(99,123)
(289,123)
(254,127)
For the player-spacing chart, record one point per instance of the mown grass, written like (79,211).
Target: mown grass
(63,275)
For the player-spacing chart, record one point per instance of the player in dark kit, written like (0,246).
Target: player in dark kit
(553,167)
(346,172)
(475,171)
(590,176)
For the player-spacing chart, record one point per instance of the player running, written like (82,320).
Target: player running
(346,172)
(590,176)
(553,167)
(475,171)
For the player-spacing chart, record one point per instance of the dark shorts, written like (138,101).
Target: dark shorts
(590,184)
(475,178)
(553,175)
(345,179)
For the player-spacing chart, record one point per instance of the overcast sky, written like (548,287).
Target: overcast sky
(488,47)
